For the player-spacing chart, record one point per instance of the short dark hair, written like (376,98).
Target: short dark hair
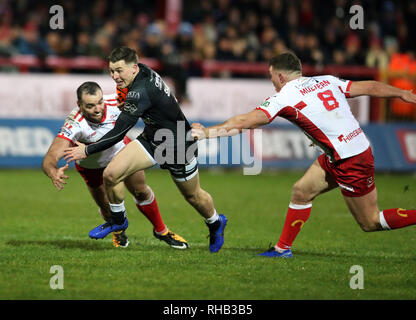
(123,53)
(287,61)
(88,87)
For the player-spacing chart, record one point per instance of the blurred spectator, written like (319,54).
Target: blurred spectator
(209,29)
(31,42)
(239,47)
(67,48)
(172,67)
(306,17)
(316,55)
(8,34)
(299,46)
(338,57)
(53,40)
(209,51)
(83,44)
(6,47)
(353,54)
(279,46)
(388,16)
(184,41)
(376,56)
(403,69)
(102,45)
(132,39)
(224,50)
(152,41)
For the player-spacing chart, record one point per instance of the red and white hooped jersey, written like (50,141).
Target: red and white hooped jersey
(319,107)
(77,128)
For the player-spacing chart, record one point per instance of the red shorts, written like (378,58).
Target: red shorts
(354,175)
(93,177)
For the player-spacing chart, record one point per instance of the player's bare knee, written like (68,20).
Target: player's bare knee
(110,177)
(370,225)
(299,193)
(193,198)
(367,227)
(141,194)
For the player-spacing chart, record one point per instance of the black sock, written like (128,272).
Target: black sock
(118,217)
(214,226)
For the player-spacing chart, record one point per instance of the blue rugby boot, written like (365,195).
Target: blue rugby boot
(216,233)
(104,229)
(272,253)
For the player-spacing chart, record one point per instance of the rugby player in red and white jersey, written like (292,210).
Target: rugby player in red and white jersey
(318,106)
(93,118)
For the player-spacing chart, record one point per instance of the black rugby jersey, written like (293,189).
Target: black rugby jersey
(149,98)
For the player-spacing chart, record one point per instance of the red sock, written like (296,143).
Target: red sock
(295,219)
(150,210)
(397,218)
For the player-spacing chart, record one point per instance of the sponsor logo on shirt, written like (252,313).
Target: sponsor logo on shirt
(133,95)
(65,131)
(350,135)
(265,104)
(128,107)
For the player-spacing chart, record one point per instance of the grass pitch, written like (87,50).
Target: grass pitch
(42,227)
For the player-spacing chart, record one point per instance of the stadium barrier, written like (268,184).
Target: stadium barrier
(54,96)
(24,142)
(26,63)
(234,96)
(380,110)
(213,67)
(62,65)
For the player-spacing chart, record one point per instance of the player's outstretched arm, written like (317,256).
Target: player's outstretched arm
(231,127)
(55,152)
(380,90)
(123,124)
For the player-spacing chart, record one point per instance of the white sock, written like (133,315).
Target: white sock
(147,201)
(162,232)
(383,222)
(117,207)
(278,249)
(214,218)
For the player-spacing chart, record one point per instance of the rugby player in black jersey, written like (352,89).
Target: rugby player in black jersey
(166,140)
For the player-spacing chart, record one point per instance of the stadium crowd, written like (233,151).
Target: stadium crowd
(243,30)
(224,30)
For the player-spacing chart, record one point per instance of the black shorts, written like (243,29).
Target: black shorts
(182,167)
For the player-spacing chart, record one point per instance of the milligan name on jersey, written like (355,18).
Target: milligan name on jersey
(319,85)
